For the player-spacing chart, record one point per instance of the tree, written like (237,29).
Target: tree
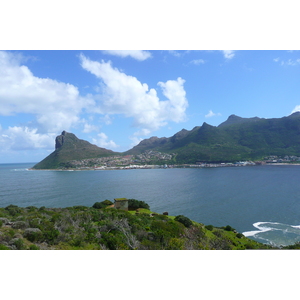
(184,220)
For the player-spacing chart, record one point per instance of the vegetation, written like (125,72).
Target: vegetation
(135,204)
(105,228)
(235,139)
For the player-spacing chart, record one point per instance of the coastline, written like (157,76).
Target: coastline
(135,167)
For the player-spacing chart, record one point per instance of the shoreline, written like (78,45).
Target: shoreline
(185,166)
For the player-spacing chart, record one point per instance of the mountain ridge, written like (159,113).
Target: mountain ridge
(235,139)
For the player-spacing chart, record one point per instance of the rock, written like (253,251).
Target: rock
(4,221)
(165,213)
(59,141)
(19,225)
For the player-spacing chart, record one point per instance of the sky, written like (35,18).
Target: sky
(116,98)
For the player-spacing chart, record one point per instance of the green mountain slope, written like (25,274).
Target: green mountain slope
(235,139)
(67,148)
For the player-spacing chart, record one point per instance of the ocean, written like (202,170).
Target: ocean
(262,202)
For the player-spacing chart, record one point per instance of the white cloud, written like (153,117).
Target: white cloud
(197,62)
(297,108)
(24,138)
(135,140)
(89,128)
(124,94)
(228,54)
(178,54)
(102,141)
(136,54)
(212,114)
(55,105)
(288,62)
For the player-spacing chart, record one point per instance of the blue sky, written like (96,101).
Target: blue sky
(114,99)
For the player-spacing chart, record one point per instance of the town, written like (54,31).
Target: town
(154,159)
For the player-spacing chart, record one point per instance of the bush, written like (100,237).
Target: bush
(184,220)
(103,204)
(13,209)
(229,228)
(33,234)
(3,247)
(34,247)
(19,243)
(209,227)
(135,204)
(239,235)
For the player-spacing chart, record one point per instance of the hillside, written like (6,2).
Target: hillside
(233,140)
(105,228)
(68,148)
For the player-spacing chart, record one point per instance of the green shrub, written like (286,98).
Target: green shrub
(19,243)
(80,207)
(107,202)
(2,247)
(1,223)
(31,208)
(184,220)
(239,235)
(135,204)
(209,227)
(229,228)
(13,209)
(33,234)
(103,204)
(34,247)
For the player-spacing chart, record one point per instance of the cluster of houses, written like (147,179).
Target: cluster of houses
(122,162)
(279,159)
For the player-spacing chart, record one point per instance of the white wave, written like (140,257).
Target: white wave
(261,229)
(276,234)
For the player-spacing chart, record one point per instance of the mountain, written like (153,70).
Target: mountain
(67,148)
(235,139)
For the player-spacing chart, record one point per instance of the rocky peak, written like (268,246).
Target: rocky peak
(59,141)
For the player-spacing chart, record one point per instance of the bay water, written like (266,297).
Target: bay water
(262,202)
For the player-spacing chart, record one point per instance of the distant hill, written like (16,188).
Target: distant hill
(67,148)
(235,139)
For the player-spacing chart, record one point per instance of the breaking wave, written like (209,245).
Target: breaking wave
(276,234)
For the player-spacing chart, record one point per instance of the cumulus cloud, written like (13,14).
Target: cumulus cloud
(212,114)
(228,54)
(24,138)
(124,94)
(102,141)
(54,104)
(136,54)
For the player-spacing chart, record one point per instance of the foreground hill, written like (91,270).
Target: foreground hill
(235,139)
(81,227)
(67,148)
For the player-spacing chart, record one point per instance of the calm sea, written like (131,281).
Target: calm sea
(263,202)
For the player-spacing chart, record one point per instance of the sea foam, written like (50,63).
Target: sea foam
(274,233)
